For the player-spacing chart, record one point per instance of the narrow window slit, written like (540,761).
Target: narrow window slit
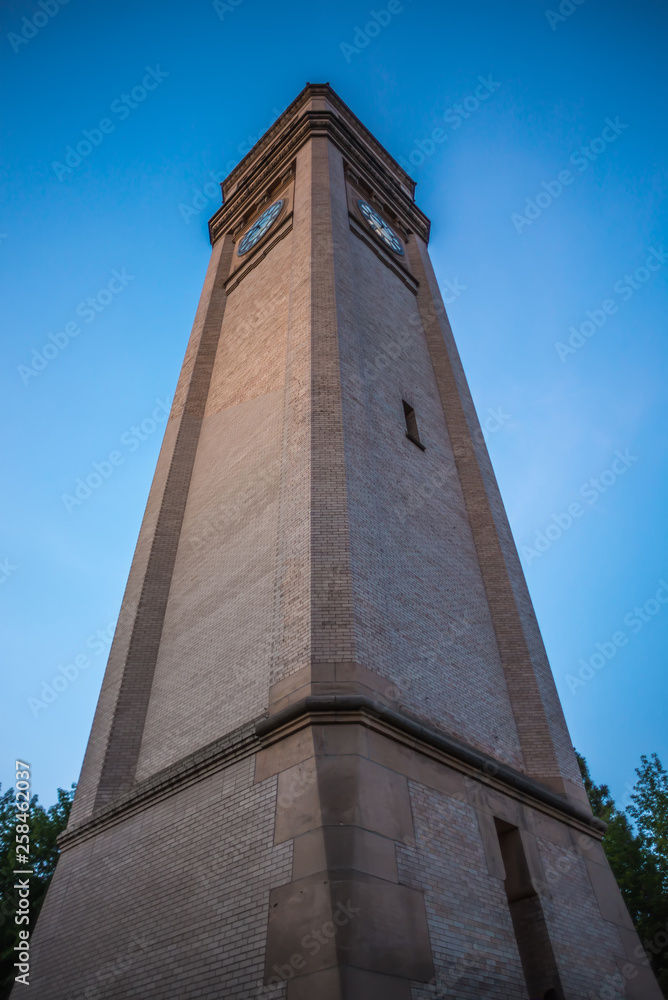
(412,432)
(526,912)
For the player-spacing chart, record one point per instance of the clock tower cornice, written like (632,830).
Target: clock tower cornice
(317,111)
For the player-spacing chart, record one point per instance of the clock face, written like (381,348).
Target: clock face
(260,227)
(380,227)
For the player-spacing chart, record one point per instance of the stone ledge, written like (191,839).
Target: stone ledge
(209,759)
(251,737)
(336,705)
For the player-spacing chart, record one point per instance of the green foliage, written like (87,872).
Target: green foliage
(636,845)
(649,808)
(45,826)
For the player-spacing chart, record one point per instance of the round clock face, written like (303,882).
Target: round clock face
(260,227)
(380,228)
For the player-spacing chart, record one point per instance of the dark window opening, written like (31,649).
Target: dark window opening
(526,911)
(412,432)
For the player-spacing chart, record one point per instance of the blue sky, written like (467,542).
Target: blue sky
(103,261)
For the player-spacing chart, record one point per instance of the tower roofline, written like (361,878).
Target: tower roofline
(317,110)
(313,90)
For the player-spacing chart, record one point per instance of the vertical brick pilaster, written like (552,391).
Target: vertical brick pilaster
(291,604)
(126,730)
(331,587)
(530,716)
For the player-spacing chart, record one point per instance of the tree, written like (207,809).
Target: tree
(45,826)
(649,811)
(637,849)
(649,808)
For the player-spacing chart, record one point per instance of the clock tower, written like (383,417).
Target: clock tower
(328,758)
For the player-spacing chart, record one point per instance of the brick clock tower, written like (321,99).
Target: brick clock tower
(328,760)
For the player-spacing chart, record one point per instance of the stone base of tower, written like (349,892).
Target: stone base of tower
(338,851)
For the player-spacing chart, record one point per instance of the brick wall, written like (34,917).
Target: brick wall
(238,610)
(421,615)
(195,926)
(213,665)
(111,754)
(475,955)
(542,730)
(472,938)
